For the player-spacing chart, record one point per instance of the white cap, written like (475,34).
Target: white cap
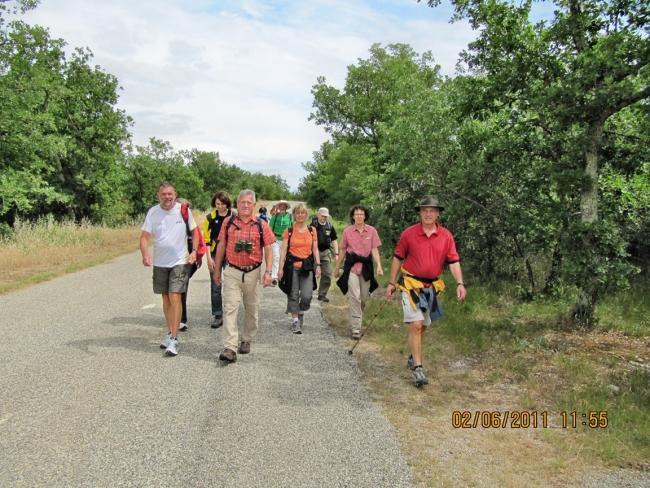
(324,212)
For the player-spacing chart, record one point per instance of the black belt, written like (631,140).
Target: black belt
(246,269)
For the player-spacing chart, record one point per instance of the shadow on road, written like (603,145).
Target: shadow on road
(192,349)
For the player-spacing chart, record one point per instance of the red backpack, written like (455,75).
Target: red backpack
(201,249)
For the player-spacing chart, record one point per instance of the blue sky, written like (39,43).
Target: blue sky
(235,77)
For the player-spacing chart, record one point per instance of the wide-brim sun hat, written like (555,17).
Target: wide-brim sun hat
(283,202)
(429,201)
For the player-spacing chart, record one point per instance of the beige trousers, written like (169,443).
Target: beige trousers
(358,293)
(240,287)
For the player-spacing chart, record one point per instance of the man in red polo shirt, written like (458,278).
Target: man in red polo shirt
(420,255)
(243,240)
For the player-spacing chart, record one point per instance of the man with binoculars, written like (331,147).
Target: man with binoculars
(244,241)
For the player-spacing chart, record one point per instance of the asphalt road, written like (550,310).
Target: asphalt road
(87,397)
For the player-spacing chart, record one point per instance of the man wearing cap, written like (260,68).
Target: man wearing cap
(420,255)
(327,244)
(280,221)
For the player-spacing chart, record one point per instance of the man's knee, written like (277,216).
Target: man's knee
(417,326)
(174,298)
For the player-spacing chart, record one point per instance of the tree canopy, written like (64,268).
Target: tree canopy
(539,144)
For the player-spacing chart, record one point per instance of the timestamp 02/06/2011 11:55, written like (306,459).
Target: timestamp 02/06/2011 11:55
(525,419)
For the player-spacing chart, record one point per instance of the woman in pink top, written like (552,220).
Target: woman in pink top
(359,248)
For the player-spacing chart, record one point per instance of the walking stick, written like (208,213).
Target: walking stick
(381,306)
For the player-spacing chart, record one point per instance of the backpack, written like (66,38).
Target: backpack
(324,238)
(212,223)
(201,249)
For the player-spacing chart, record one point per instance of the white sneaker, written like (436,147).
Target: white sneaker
(295,326)
(420,377)
(165,343)
(182,326)
(172,349)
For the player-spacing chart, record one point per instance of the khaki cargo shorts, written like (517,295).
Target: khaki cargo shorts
(414,314)
(171,280)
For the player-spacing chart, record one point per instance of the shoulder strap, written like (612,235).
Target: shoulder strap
(228,225)
(186,218)
(258,221)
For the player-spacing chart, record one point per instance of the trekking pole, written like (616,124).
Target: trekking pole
(372,321)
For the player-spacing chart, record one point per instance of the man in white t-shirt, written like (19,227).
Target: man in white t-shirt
(171,261)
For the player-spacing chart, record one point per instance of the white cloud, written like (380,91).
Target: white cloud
(235,77)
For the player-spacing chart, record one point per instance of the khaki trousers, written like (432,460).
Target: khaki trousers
(239,287)
(325,273)
(358,293)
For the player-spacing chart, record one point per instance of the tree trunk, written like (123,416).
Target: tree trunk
(584,309)
(530,293)
(553,277)
(589,200)
(585,306)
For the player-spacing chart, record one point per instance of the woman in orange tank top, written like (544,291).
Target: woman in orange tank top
(299,266)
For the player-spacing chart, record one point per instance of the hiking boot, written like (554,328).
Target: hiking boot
(410,363)
(323,299)
(295,326)
(244,347)
(216,322)
(182,326)
(419,377)
(172,348)
(228,355)
(165,343)
(356,334)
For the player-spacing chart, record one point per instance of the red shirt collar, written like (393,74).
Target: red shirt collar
(363,229)
(423,233)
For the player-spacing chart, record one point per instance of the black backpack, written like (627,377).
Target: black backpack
(324,237)
(212,223)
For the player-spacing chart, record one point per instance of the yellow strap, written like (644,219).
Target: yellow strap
(407,283)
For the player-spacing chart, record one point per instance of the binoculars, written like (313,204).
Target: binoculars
(244,245)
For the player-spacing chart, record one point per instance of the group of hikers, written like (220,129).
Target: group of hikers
(299,256)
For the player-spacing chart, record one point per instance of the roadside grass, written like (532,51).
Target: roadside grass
(42,250)
(627,311)
(496,353)
(39,251)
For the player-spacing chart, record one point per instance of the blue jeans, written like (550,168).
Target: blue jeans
(215,298)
